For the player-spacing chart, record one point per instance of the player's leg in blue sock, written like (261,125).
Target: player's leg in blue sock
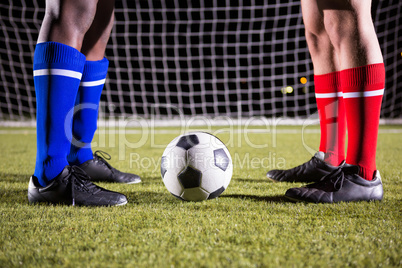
(86,110)
(57,75)
(64,44)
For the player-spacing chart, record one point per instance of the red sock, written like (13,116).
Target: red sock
(332,117)
(363,88)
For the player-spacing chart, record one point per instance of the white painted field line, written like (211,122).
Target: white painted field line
(178,131)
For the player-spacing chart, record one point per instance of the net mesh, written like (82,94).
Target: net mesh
(210,58)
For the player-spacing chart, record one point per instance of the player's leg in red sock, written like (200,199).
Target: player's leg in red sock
(349,25)
(332,117)
(352,33)
(327,87)
(363,89)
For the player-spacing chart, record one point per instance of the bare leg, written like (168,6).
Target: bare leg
(351,30)
(321,50)
(67,21)
(97,37)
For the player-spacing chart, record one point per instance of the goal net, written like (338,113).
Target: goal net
(196,58)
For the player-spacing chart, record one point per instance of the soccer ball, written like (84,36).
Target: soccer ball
(196,166)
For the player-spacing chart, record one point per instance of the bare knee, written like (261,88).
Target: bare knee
(341,26)
(67,21)
(97,37)
(316,37)
(314,42)
(76,14)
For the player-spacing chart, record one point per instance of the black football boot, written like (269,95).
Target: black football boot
(311,171)
(342,185)
(72,187)
(99,170)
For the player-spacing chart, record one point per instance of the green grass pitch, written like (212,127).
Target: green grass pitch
(249,225)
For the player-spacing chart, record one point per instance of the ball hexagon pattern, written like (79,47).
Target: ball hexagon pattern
(196,166)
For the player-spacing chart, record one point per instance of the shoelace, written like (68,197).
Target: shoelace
(336,178)
(79,179)
(103,156)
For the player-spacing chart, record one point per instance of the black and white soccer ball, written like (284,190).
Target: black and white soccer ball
(196,166)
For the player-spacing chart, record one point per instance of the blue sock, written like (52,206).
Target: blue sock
(86,113)
(57,75)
